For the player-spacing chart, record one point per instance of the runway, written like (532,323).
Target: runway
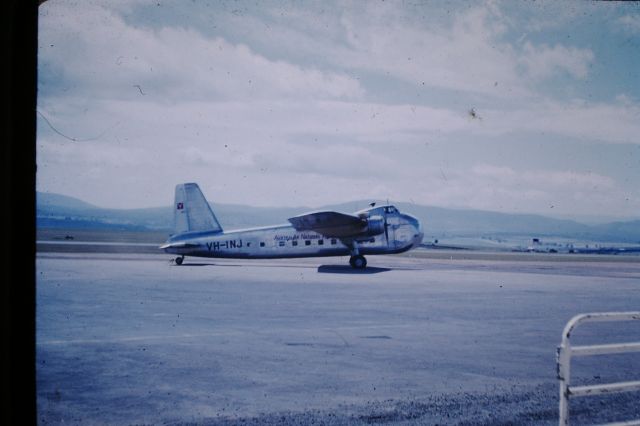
(134,339)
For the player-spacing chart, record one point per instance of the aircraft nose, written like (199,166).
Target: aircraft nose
(418,233)
(417,240)
(416,226)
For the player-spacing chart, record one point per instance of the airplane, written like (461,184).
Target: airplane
(375,230)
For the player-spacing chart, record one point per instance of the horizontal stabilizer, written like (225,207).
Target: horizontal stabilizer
(179,245)
(330,224)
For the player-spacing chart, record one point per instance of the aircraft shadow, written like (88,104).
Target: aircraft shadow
(203,264)
(345,269)
(324,269)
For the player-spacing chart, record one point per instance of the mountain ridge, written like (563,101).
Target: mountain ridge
(58,211)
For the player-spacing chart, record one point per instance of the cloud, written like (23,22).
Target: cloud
(398,147)
(291,105)
(119,60)
(321,160)
(544,61)
(544,178)
(466,51)
(588,122)
(630,23)
(466,55)
(552,192)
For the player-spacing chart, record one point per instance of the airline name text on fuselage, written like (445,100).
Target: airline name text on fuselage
(233,244)
(302,236)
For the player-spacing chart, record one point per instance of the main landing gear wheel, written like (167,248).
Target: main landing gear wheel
(358,262)
(179,260)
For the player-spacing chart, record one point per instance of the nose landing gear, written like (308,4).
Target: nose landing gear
(179,260)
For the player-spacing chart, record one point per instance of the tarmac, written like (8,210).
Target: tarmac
(125,338)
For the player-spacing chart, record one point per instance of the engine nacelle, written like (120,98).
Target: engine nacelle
(375,225)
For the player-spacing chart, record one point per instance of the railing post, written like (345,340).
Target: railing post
(564,369)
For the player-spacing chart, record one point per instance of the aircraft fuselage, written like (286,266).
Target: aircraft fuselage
(284,241)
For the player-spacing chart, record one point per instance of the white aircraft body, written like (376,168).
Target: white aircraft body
(376,230)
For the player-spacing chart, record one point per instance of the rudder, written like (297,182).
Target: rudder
(191,210)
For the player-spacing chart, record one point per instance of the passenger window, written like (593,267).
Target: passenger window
(281,243)
(333,241)
(295,243)
(261,244)
(307,243)
(320,242)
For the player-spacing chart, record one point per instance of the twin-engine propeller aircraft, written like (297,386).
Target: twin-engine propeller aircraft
(376,230)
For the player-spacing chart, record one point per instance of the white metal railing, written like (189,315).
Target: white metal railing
(566,351)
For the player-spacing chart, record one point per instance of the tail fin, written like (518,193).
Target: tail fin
(192,212)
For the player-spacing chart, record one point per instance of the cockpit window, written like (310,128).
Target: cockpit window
(377,211)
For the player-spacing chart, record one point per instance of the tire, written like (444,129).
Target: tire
(358,262)
(179,260)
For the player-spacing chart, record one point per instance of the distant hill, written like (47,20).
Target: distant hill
(59,211)
(47,200)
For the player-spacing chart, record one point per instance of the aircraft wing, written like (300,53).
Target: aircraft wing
(330,224)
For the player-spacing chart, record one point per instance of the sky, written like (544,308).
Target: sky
(515,107)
